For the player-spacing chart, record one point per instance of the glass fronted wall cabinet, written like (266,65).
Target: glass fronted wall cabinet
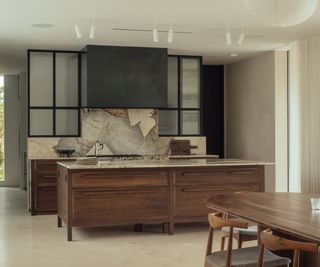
(184,113)
(54,106)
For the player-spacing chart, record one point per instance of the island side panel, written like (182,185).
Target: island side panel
(62,194)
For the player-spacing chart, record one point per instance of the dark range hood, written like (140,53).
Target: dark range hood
(124,77)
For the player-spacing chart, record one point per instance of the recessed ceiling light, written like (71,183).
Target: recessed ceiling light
(42,25)
(234,55)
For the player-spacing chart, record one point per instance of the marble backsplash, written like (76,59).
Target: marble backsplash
(121,131)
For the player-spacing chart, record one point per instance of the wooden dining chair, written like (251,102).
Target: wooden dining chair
(273,243)
(239,234)
(243,257)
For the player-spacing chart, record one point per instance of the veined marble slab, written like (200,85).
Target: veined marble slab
(112,128)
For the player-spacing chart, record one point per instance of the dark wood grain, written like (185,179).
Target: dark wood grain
(43,187)
(289,215)
(164,195)
(288,212)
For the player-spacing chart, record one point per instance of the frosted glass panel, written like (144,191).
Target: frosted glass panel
(168,122)
(41,122)
(41,79)
(66,80)
(172,82)
(190,83)
(66,122)
(190,122)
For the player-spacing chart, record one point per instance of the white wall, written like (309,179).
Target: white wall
(251,92)
(281,120)
(11,133)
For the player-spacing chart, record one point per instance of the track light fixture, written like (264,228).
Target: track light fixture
(155,35)
(170,35)
(228,38)
(92,33)
(78,31)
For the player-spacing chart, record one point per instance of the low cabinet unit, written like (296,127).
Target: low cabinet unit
(107,195)
(193,187)
(43,186)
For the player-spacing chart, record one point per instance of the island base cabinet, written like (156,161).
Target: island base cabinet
(191,201)
(95,207)
(89,197)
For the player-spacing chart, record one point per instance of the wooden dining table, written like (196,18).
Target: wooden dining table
(289,215)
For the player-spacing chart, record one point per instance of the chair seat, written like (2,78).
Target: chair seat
(252,230)
(245,257)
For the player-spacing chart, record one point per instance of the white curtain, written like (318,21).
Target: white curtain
(304,115)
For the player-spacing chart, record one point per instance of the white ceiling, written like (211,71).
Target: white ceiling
(206,19)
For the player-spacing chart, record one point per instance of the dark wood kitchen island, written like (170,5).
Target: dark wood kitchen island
(148,191)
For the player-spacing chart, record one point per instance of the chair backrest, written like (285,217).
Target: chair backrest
(217,221)
(273,243)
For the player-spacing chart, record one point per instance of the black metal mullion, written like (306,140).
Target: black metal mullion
(79,94)
(54,94)
(28,69)
(179,95)
(201,97)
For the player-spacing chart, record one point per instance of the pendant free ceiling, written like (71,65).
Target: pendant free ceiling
(281,13)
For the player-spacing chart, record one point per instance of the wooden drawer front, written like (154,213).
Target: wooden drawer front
(94,179)
(216,175)
(46,199)
(46,165)
(114,206)
(46,178)
(190,201)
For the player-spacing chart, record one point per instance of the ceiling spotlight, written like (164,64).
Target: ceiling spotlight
(155,35)
(228,38)
(92,33)
(241,38)
(170,36)
(233,55)
(78,31)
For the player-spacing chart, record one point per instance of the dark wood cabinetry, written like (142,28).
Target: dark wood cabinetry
(43,194)
(102,197)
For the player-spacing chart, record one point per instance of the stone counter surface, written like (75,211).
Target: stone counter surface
(144,157)
(169,163)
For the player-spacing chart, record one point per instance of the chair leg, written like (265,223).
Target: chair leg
(223,238)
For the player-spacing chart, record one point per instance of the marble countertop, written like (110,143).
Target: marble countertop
(169,163)
(144,156)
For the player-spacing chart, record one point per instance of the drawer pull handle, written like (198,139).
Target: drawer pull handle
(48,189)
(210,173)
(242,172)
(109,192)
(212,189)
(199,189)
(51,176)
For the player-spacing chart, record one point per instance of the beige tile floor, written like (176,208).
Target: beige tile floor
(37,242)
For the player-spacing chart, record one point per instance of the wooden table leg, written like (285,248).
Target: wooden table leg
(59,222)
